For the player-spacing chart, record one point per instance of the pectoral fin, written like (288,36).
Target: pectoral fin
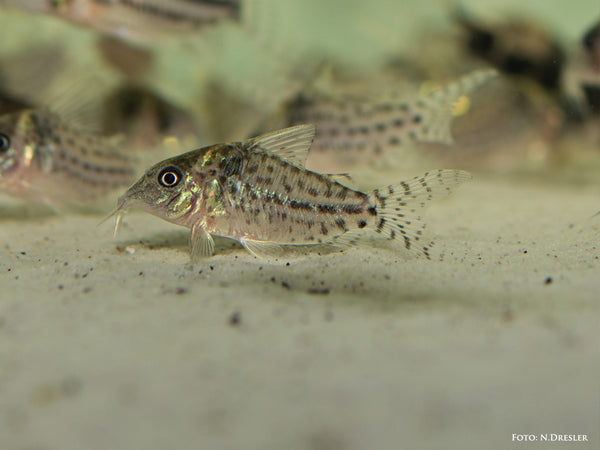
(202,244)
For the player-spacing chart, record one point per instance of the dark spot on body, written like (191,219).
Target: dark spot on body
(294,204)
(340,223)
(352,209)
(342,194)
(324,229)
(330,209)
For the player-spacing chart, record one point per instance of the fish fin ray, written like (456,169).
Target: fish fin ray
(348,239)
(339,176)
(262,249)
(401,207)
(202,244)
(439,105)
(291,144)
(80,104)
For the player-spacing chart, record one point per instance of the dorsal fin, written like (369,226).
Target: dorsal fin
(291,144)
(80,104)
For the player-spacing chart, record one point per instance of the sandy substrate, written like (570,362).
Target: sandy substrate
(123,344)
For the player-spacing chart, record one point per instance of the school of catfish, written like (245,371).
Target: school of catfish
(256,190)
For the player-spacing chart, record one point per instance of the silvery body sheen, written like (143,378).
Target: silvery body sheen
(259,193)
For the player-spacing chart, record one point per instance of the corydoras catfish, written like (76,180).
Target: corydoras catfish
(43,159)
(139,19)
(369,127)
(259,193)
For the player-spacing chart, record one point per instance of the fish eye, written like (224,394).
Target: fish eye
(170,176)
(4,142)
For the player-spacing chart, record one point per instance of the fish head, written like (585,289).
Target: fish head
(168,190)
(15,149)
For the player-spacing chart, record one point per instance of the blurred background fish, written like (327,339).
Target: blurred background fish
(138,20)
(173,84)
(359,128)
(45,159)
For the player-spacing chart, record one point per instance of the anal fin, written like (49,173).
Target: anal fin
(262,249)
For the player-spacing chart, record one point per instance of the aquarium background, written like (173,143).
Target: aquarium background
(123,343)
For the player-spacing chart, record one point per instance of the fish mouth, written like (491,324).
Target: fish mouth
(125,202)
(122,208)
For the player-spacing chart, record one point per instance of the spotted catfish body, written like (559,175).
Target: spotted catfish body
(365,126)
(42,159)
(136,19)
(259,193)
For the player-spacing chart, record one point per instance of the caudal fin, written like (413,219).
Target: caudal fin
(438,107)
(400,207)
(369,126)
